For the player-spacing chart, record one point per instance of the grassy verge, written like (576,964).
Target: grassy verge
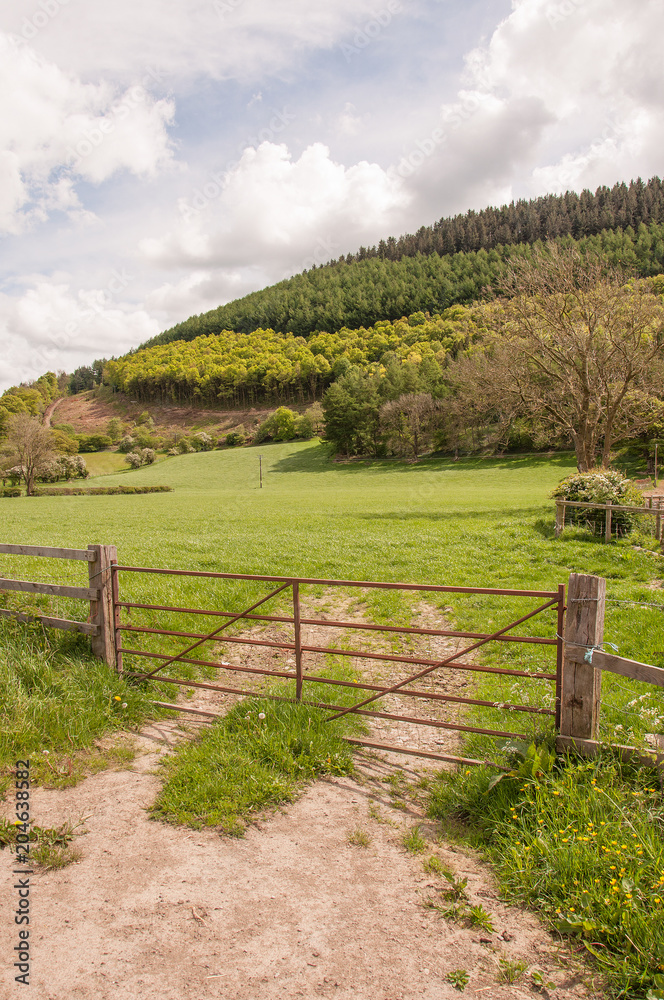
(257,757)
(582,843)
(56,702)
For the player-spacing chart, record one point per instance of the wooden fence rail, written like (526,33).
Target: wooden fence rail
(655,510)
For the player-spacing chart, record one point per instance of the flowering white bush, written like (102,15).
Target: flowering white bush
(136,459)
(600,486)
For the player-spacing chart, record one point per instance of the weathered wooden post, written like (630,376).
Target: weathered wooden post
(581,681)
(560,517)
(101,610)
(607,527)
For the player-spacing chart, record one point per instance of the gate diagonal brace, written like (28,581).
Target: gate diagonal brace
(442,663)
(146,677)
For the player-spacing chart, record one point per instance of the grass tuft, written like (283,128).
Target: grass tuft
(413,841)
(478,917)
(434,866)
(359,838)
(458,978)
(256,758)
(50,847)
(511,970)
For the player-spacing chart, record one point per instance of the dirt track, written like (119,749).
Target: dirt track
(164,913)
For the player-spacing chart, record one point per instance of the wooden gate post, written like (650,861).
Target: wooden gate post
(560,518)
(101,610)
(581,682)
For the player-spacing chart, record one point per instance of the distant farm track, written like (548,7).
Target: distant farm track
(48,412)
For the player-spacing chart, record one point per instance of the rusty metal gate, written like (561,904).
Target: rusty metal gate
(304,653)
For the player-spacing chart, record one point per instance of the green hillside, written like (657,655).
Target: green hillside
(417,273)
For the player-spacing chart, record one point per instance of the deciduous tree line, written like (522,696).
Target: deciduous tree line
(571,353)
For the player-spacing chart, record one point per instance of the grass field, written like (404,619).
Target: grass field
(105,463)
(473,523)
(101,463)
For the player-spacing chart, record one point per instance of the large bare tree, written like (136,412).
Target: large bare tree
(573,345)
(410,421)
(29,446)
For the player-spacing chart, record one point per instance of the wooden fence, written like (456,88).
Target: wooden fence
(583,663)
(577,639)
(99,593)
(654,509)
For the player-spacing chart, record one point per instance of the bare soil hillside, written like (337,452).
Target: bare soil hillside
(88,414)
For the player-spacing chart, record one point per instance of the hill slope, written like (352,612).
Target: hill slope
(417,273)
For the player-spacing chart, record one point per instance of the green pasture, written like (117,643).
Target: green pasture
(475,522)
(101,463)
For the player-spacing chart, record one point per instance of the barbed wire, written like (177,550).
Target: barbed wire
(614,600)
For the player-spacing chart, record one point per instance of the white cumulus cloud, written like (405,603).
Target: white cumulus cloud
(52,327)
(274,211)
(55,130)
(223,39)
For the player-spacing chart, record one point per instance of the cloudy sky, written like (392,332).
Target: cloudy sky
(162,157)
